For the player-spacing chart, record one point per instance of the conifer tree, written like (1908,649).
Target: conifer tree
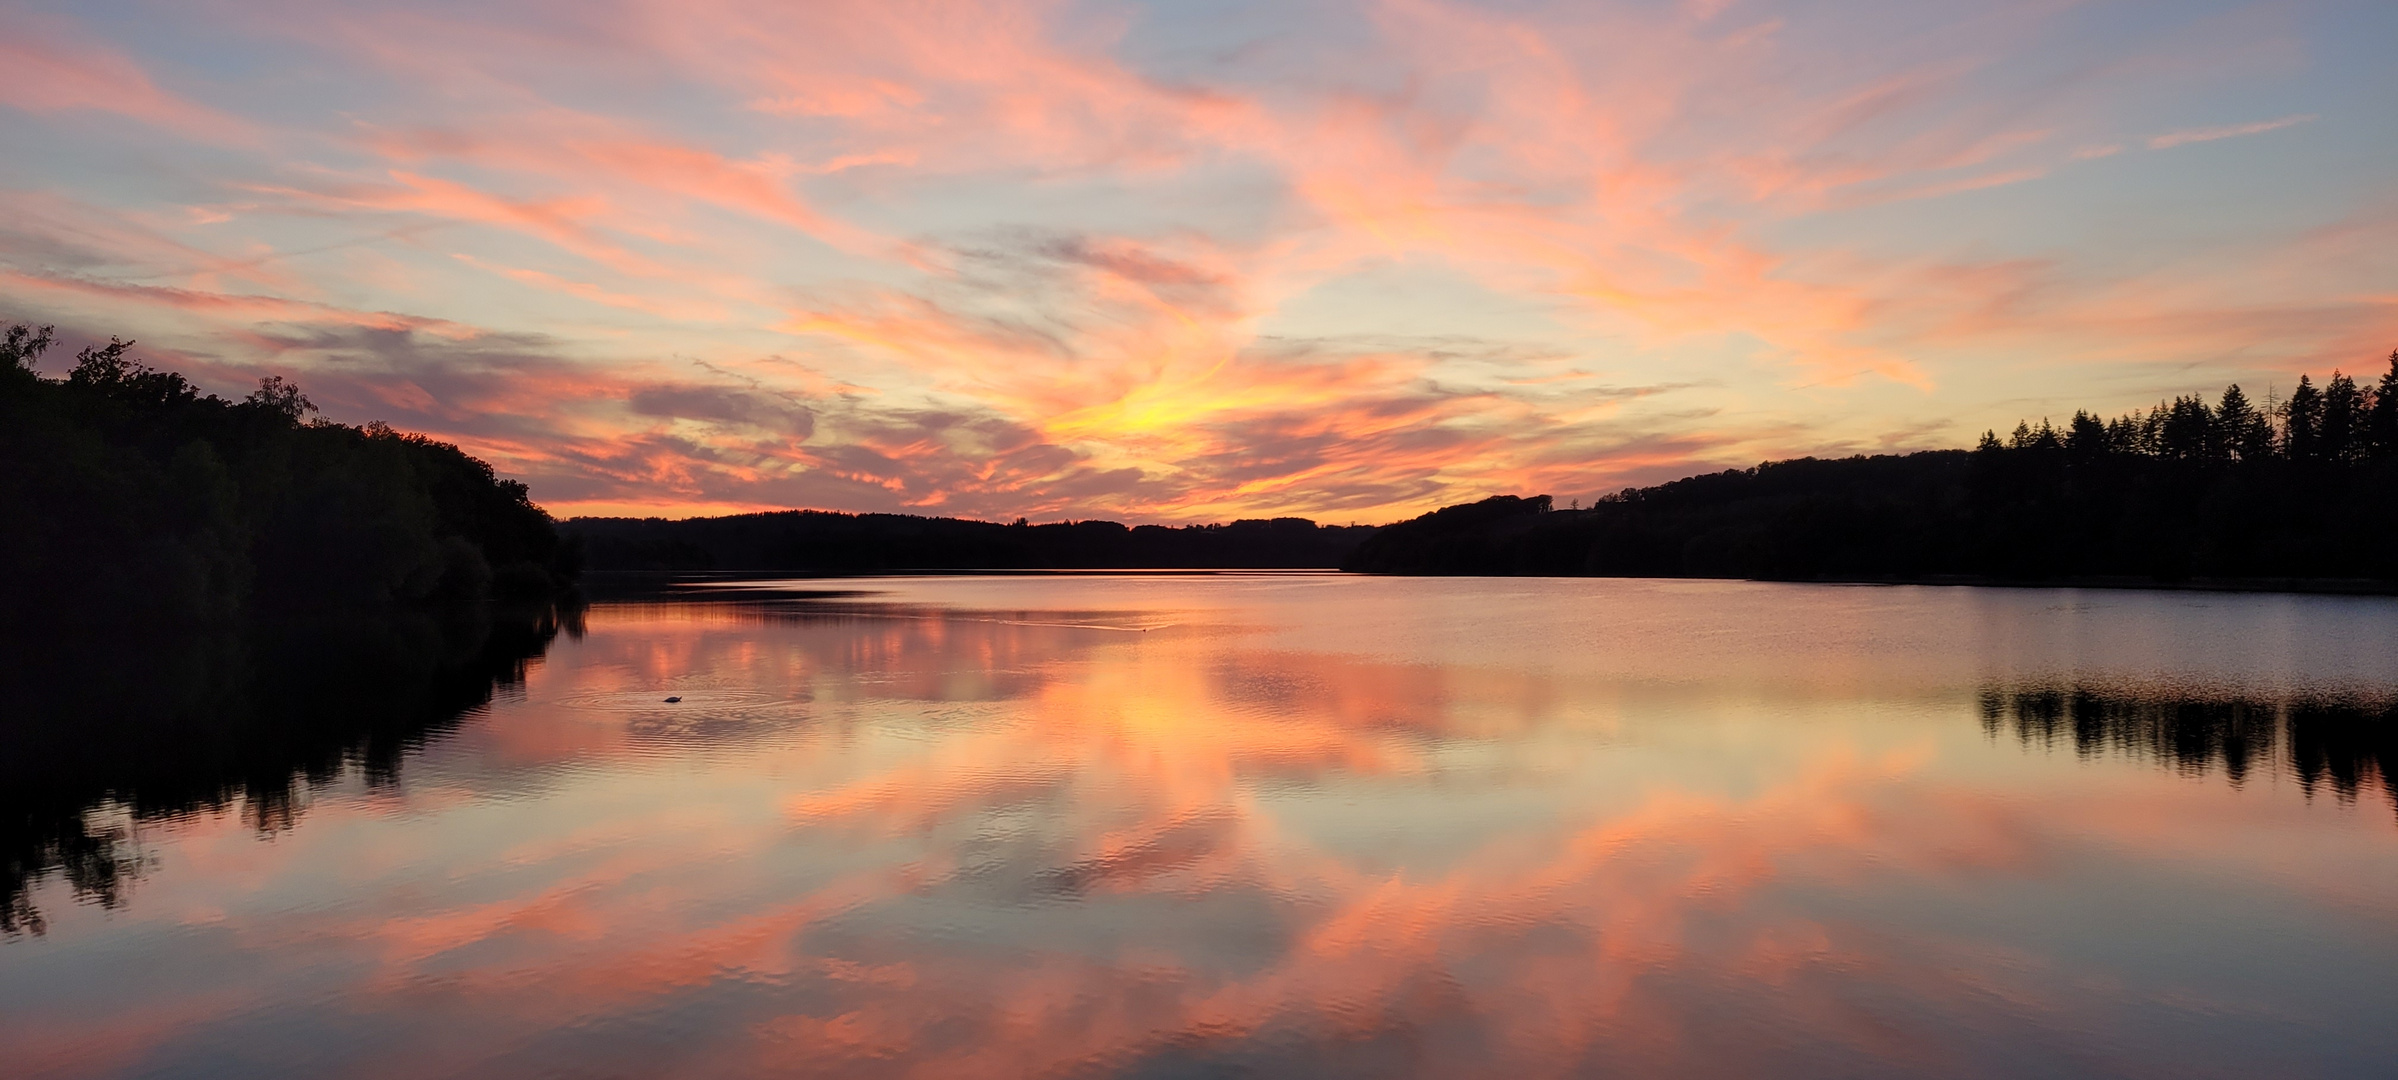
(2086,439)
(2245,434)
(2343,428)
(2188,432)
(2123,435)
(2382,426)
(2302,422)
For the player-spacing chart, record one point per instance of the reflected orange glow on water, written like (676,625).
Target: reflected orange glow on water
(1289,828)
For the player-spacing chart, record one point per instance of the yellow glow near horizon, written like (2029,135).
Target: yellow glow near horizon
(1002,259)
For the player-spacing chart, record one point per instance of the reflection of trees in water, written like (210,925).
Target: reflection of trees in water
(126,736)
(2341,743)
(98,861)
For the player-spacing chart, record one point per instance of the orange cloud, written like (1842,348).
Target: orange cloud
(1020,232)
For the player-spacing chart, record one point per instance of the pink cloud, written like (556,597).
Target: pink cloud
(51,74)
(1021,213)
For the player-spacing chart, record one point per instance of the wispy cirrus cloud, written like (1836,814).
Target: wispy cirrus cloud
(2172,139)
(1076,241)
(52,73)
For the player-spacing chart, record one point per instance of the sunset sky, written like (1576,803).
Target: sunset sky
(1190,262)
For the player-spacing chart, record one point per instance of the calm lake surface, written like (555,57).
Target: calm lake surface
(1301,825)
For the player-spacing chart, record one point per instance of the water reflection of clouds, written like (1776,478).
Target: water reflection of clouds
(1185,851)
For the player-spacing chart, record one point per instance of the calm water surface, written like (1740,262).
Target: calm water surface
(1303,825)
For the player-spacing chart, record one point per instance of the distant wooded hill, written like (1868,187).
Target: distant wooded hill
(2301,491)
(819,542)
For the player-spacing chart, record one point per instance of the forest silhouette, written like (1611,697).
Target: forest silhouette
(209,600)
(823,542)
(129,490)
(2296,494)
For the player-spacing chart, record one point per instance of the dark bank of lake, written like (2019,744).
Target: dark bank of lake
(1283,824)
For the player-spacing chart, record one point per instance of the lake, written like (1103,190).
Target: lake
(1304,825)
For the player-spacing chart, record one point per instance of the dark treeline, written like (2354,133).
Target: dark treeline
(2284,494)
(125,491)
(2343,745)
(819,542)
(204,598)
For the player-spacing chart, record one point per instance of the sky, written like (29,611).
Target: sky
(1182,262)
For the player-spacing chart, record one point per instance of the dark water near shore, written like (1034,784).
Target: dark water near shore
(1294,825)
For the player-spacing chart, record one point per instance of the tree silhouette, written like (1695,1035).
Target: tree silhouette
(2086,438)
(2247,434)
(21,346)
(2125,435)
(282,398)
(2302,422)
(2188,431)
(2382,425)
(2344,418)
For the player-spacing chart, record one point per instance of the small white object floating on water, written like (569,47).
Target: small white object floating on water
(672,700)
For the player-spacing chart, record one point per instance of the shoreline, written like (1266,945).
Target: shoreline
(2291,586)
